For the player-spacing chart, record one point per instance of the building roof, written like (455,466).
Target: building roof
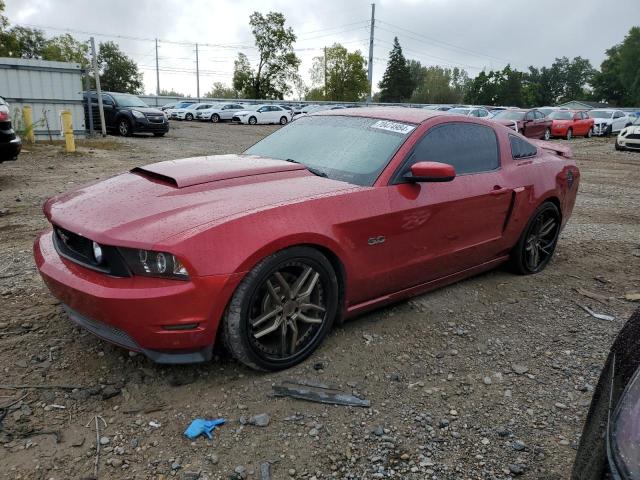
(586,103)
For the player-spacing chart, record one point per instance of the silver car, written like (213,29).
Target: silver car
(220,111)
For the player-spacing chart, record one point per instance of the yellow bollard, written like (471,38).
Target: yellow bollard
(67,129)
(27,117)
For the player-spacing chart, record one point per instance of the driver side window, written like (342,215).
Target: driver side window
(528,116)
(470,148)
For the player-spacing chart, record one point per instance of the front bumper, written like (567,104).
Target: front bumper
(170,321)
(629,142)
(600,128)
(144,125)
(10,150)
(558,131)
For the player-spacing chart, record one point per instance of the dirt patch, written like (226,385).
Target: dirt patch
(488,378)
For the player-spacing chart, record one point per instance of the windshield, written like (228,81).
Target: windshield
(350,149)
(461,111)
(564,115)
(183,104)
(125,100)
(546,111)
(600,114)
(636,121)
(509,115)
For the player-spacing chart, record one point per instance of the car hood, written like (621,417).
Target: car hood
(632,129)
(603,120)
(146,110)
(152,203)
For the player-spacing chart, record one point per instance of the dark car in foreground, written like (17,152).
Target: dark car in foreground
(126,114)
(530,123)
(610,441)
(10,143)
(331,216)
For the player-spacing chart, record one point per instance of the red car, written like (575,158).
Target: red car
(336,214)
(569,123)
(530,123)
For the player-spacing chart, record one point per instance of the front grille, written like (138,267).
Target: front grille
(79,249)
(155,118)
(633,136)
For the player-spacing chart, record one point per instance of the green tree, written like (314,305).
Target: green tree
(65,48)
(396,84)
(220,90)
(346,75)
(170,93)
(118,73)
(618,81)
(435,84)
(22,42)
(277,63)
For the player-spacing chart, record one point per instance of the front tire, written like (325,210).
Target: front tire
(253,120)
(283,120)
(282,309)
(158,134)
(188,117)
(569,135)
(617,145)
(538,241)
(215,118)
(589,133)
(124,127)
(547,134)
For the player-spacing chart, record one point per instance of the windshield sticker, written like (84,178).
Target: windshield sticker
(393,127)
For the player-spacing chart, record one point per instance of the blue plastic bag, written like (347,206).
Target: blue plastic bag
(201,426)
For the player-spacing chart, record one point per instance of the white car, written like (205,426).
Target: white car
(608,121)
(220,111)
(478,112)
(629,137)
(263,114)
(189,112)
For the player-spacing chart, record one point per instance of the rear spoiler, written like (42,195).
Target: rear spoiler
(558,149)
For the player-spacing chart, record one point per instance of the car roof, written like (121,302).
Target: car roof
(396,114)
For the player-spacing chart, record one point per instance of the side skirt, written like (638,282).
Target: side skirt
(359,308)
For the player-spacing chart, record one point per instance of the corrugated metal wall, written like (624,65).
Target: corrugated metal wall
(48,87)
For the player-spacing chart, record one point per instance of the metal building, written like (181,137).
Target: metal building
(49,88)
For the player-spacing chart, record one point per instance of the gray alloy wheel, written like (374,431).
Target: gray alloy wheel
(253,120)
(569,134)
(538,240)
(188,117)
(283,120)
(124,127)
(547,134)
(282,309)
(215,118)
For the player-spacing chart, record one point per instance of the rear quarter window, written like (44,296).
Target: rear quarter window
(520,148)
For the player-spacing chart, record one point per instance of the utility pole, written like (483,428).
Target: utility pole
(197,74)
(370,72)
(325,73)
(157,75)
(96,75)
(87,83)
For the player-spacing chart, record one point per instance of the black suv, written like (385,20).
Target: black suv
(126,114)
(10,143)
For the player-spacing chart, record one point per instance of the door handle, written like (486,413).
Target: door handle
(498,190)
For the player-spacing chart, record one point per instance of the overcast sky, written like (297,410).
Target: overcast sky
(472,34)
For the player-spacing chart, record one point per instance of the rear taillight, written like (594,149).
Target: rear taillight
(4,113)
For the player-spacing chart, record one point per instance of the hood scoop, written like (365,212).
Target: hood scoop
(197,170)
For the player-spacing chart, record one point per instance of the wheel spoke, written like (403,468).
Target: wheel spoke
(309,289)
(272,292)
(260,320)
(295,288)
(283,339)
(311,306)
(294,338)
(302,317)
(283,283)
(270,329)
(547,227)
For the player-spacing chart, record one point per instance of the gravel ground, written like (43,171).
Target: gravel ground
(488,378)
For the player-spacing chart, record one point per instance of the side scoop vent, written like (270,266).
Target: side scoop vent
(159,177)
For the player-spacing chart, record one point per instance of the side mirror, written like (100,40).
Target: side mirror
(431,172)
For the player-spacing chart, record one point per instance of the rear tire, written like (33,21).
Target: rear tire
(547,134)
(282,309)
(124,127)
(537,244)
(283,120)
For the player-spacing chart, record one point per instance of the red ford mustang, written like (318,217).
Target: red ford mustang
(338,213)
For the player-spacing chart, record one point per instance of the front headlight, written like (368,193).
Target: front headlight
(137,114)
(154,264)
(624,432)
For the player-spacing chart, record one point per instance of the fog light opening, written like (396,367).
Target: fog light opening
(181,326)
